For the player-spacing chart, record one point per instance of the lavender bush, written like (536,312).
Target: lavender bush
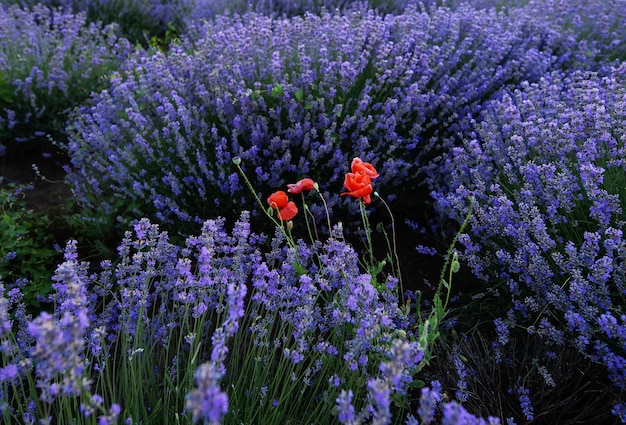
(520,381)
(136,20)
(207,10)
(292,97)
(547,169)
(169,335)
(50,62)
(598,27)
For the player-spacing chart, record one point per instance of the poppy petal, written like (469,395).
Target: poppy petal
(288,212)
(304,184)
(278,200)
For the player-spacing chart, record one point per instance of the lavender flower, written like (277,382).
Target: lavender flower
(60,338)
(430,399)
(346,413)
(525,403)
(5,318)
(397,372)
(207,402)
(379,401)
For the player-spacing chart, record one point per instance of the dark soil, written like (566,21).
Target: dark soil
(49,190)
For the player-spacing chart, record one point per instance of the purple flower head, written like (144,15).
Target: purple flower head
(207,403)
(58,355)
(379,401)
(346,412)
(405,357)
(5,317)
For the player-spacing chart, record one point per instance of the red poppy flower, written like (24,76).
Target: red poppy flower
(358,166)
(286,208)
(304,184)
(359,185)
(278,200)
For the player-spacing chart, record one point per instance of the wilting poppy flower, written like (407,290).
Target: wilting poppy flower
(286,208)
(359,185)
(304,184)
(358,166)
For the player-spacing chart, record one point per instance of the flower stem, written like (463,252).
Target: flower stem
(368,235)
(394,246)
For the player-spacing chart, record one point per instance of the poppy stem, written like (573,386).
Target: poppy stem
(306,220)
(394,247)
(281,226)
(368,235)
(330,227)
(451,251)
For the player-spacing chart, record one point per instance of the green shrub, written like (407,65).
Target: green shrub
(26,245)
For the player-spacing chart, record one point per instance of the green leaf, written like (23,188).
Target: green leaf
(454,267)
(299,94)
(5,97)
(277,90)
(445,284)
(299,268)
(417,384)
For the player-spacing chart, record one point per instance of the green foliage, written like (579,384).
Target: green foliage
(26,250)
(163,40)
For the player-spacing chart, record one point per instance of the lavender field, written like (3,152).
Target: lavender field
(312,212)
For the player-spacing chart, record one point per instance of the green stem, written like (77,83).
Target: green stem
(280,225)
(453,244)
(368,235)
(394,246)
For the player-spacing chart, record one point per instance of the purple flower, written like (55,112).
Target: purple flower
(5,318)
(428,402)
(405,359)
(525,403)
(207,402)
(345,408)
(379,401)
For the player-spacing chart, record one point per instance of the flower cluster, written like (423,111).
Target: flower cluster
(208,9)
(173,327)
(136,20)
(358,183)
(293,96)
(598,26)
(152,317)
(546,168)
(50,62)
